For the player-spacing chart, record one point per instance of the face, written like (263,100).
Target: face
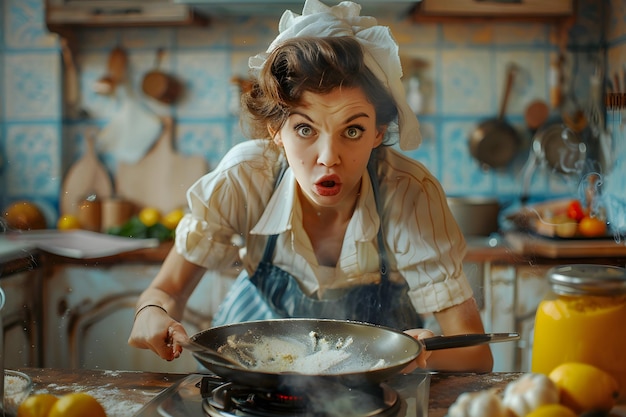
(328,141)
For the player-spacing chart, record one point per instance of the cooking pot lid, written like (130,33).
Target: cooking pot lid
(588,279)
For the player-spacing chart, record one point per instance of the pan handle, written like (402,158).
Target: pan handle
(464,340)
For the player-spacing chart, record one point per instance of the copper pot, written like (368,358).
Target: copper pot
(160,85)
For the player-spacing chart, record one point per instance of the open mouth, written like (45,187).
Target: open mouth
(328,186)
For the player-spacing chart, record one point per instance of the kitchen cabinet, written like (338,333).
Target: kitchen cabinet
(21,317)
(89,313)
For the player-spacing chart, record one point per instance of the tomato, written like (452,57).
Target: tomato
(592,227)
(575,210)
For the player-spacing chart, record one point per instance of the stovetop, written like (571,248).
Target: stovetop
(185,398)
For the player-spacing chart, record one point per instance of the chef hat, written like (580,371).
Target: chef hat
(379,46)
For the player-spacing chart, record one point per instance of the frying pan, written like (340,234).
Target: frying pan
(301,352)
(495,142)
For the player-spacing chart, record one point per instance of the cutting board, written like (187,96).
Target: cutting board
(161,178)
(86,177)
(533,245)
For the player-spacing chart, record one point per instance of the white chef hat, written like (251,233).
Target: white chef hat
(379,46)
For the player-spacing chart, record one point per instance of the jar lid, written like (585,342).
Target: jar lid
(588,279)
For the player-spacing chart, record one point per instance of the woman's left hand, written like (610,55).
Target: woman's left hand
(421,360)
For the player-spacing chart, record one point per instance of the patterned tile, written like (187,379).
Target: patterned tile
(206,83)
(24,26)
(33,160)
(461,174)
(32,80)
(466,83)
(208,139)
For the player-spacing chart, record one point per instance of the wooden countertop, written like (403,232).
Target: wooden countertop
(123,393)
(512,248)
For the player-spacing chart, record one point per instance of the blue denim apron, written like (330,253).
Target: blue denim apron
(273,293)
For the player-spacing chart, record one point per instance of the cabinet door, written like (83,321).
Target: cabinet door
(89,315)
(20,319)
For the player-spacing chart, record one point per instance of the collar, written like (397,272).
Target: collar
(281,209)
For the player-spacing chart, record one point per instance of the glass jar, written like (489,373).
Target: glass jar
(582,320)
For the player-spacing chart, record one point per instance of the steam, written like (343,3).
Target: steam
(613,184)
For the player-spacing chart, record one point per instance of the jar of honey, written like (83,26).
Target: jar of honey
(582,320)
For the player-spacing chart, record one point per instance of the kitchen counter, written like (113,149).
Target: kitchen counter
(512,248)
(123,393)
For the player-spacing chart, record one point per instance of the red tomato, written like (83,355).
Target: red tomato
(575,210)
(592,227)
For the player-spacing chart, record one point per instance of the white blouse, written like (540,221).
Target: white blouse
(235,207)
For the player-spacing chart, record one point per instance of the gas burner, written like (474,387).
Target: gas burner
(327,400)
(208,395)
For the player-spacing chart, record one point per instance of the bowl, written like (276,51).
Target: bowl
(17,387)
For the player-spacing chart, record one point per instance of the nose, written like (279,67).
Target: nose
(327,153)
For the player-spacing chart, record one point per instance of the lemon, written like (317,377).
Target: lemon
(68,222)
(552,410)
(37,405)
(171,219)
(149,216)
(77,404)
(585,387)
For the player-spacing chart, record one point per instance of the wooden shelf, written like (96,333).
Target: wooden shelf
(553,11)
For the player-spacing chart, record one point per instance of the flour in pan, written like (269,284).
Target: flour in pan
(315,355)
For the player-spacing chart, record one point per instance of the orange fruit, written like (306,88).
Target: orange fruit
(24,215)
(37,405)
(592,227)
(68,222)
(77,404)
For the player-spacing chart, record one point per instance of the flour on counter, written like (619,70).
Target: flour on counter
(114,401)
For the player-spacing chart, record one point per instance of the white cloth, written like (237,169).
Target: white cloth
(380,48)
(234,208)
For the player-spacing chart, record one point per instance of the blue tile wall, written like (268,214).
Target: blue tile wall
(461,69)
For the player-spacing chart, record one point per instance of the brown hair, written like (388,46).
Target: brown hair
(313,64)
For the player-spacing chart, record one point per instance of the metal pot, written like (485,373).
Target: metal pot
(476,216)
(495,142)
(560,148)
(302,352)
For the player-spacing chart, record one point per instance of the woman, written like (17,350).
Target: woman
(324,218)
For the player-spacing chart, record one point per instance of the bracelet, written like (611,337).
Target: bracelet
(146,306)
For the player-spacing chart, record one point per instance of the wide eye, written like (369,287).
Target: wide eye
(305,130)
(354,132)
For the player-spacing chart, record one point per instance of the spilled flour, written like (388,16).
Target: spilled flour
(114,401)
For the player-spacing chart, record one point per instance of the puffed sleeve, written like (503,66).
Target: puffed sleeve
(225,204)
(426,241)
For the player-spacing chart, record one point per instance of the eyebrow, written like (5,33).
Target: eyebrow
(348,120)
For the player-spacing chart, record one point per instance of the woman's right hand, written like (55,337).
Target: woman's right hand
(154,329)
